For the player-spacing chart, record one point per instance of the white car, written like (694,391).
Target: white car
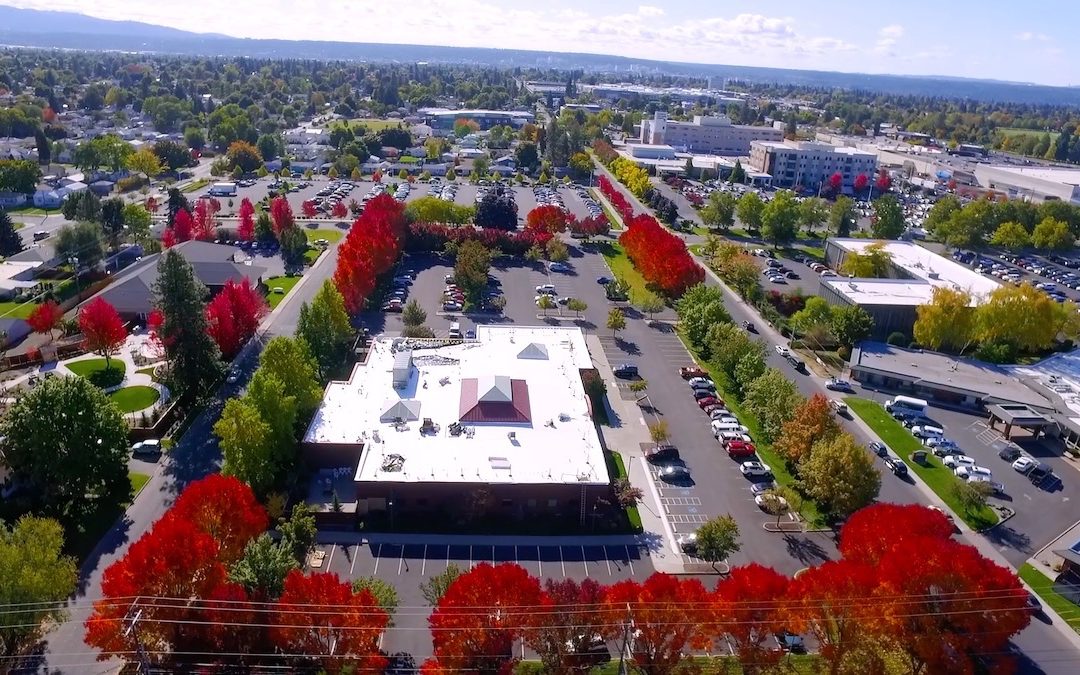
(687,543)
(755,469)
(935,441)
(838,385)
(765,499)
(150,446)
(954,461)
(997,487)
(1025,464)
(701,382)
(969,472)
(782,350)
(548,289)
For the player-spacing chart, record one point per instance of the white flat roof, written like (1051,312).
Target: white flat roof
(930,267)
(1048,173)
(903,292)
(557,443)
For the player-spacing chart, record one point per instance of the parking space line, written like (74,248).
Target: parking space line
(584,561)
(562,562)
(356,554)
(378,555)
(629,560)
(470,557)
(539,562)
(330,558)
(401,560)
(423,562)
(607,559)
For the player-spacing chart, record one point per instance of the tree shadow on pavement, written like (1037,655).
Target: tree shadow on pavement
(1003,535)
(804,550)
(627,347)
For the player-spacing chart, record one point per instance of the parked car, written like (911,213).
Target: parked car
(603,281)
(755,469)
(766,499)
(700,394)
(673,473)
(1025,464)
(708,401)
(839,407)
(790,642)
(1009,453)
(970,471)
(782,350)
(625,371)
(740,449)
(762,487)
(954,461)
(879,448)
(837,385)
(662,453)
(150,446)
(690,372)
(688,543)
(895,464)
(704,382)
(748,327)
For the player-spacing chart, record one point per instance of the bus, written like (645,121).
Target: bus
(916,405)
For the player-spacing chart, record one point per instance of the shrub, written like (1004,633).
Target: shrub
(996,352)
(896,338)
(109,377)
(844,352)
(129,183)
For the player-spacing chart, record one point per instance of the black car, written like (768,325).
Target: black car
(1009,453)
(896,465)
(626,371)
(704,393)
(879,448)
(662,453)
(748,327)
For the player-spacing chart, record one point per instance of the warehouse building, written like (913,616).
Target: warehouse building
(714,135)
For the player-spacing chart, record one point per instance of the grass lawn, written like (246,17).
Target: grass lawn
(195,185)
(622,268)
(17,310)
(311,255)
(138,480)
(1043,587)
(31,211)
(332,236)
(632,514)
(149,370)
(780,471)
(375,125)
(1017,131)
(284,283)
(87,367)
(130,399)
(18,225)
(934,473)
(812,252)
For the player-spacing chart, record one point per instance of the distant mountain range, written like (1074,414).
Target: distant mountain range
(69,30)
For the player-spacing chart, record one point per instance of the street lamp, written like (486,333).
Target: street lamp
(74,260)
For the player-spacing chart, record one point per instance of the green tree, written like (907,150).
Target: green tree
(82,240)
(842,217)
(780,218)
(816,312)
(840,475)
(294,244)
(263,568)
(19,175)
(749,210)
(718,539)
(728,344)
(434,588)
(471,269)
(137,222)
(10,241)
(699,308)
(751,366)
(577,306)
(112,220)
(298,532)
(1012,236)
(546,303)
(888,220)
(851,324)
(38,579)
(873,263)
(144,161)
(246,445)
(413,314)
(289,360)
(719,210)
(947,321)
(556,250)
(738,174)
(972,496)
(194,358)
(324,326)
(66,444)
(1052,235)
(616,320)
(772,398)
(651,305)
(385,593)
(813,211)
(941,213)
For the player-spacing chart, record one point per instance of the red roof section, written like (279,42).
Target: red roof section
(516,412)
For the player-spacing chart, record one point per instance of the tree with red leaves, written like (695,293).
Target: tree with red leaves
(168,238)
(245,230)
(861,181)
(340,210)
(205,226)
(181,228)
(281,215)
(836,181)
(884,181)
(102,327)
(224,508)
(46,318)
(748,609)
(616,198)
(563,628)
(175,559)
(835,603)
(660,256)
(871,534)
(548,218)
(233,316)
(233,624)
(371,248)
(481,614)
(671,616)
(318,613)
(308,208)
(152,204)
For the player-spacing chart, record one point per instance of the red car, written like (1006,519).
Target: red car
(741,449)
(706,402)
(692,371)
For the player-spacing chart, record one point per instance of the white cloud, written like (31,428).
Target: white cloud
(1028,36)
(895,31)
(887,38)
(650,11)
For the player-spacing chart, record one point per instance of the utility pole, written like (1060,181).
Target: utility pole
(627,626)
(131,628)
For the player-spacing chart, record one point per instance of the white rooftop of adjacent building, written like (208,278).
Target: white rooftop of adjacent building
(1059,374)
(926,265)
(1049,173)
(902,292)
(514,394)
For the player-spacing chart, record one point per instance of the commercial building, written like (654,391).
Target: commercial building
(442,120)
(1031,183)
(705,135)
(498,425)
(811,165)
(639,92)
(913,274)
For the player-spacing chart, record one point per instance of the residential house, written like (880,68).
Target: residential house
(102,188)
(12,200)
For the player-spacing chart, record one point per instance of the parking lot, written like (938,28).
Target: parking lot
(1034,269)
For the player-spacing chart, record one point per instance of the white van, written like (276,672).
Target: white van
(455,330)
(719,427)
(927,431)
(908,403)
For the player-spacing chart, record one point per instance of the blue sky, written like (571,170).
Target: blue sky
(1030,42)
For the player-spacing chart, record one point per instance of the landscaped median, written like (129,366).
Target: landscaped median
(278,288)
(1044,588)
(935,474)
(623,269)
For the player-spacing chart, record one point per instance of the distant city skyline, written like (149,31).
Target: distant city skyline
(919,37)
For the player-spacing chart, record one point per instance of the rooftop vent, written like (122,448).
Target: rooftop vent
(393,462)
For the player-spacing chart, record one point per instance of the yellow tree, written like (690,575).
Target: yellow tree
(1020,315)
(947,321)
(813,422)
(1011,235)
(145,162)
(873,263)
(1052,235)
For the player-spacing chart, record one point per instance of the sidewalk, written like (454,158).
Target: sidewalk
(625,435)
